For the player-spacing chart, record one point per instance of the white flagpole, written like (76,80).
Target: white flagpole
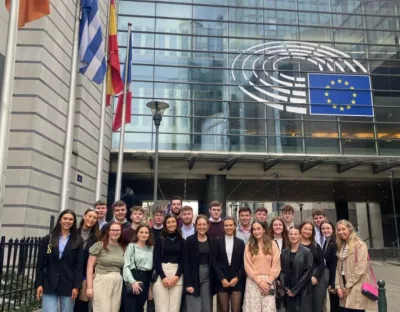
(122,136)
(66,174)
(6,98)
(100,151)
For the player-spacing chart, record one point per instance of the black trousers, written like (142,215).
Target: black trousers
(351,310)
(81,306)
(334,300)
(150,306)
(136,302)
(293,304)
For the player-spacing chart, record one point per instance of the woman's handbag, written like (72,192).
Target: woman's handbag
(369,290)
(82,292)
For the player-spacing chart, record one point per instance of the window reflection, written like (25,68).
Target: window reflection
(183,53)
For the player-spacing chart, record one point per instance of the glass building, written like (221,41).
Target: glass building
(235,74)
(244,123)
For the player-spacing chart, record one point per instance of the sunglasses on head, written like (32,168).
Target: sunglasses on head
(90,209)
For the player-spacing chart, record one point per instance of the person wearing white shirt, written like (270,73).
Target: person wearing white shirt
(288,216)
(318,216)
(244,229)
(101,208)
(187,227)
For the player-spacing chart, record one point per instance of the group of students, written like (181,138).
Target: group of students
(179,265)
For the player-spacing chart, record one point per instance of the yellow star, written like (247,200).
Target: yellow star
(348,106)
(355,95)
(346,83)
(352,88)
(328,87)
(339,81)
(326,94)
(329,101)
(341,108)
(332,82)
(353,102)
(334,106)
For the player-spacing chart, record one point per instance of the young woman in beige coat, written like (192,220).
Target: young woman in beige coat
(353,269)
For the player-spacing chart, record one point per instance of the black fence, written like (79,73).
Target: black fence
(17,273)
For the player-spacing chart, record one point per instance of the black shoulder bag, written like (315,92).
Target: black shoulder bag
(137,275)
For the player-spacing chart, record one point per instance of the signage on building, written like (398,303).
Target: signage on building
(328,82)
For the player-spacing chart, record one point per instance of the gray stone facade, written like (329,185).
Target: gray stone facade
(38,123)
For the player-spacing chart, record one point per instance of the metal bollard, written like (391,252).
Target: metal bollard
(382,302)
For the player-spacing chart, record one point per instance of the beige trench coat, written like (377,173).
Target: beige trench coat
(356,273)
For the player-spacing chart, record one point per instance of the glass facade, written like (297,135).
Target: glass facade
(187,54)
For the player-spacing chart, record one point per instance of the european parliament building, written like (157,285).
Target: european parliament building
(270,101)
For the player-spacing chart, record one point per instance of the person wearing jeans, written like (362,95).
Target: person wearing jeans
(59,265)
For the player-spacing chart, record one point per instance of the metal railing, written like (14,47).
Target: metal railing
(17,273)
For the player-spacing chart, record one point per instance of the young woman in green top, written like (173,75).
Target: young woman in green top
(138,268)
(106,260)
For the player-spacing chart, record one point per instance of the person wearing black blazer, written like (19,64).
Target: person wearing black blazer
(89,230)
(229,268)
(330,251)
(296,272)
(198,268)
(318,281)
(59,265)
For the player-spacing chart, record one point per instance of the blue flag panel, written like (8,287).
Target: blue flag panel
(340,95)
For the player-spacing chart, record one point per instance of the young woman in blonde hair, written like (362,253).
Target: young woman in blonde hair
(262,265)
(353,269)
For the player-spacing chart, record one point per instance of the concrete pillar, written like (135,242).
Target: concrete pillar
(369,222)
(362,223)
(376,225)
(215,190)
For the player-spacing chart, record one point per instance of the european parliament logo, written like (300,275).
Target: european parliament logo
(346,95)
(336,83)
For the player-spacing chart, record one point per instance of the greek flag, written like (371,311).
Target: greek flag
(91,44)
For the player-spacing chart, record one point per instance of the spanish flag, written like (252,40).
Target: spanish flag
(114,80)
(30,10)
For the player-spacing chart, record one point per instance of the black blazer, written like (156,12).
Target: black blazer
(191,263)
(300,277)
(330,250)
(235,269)
(59,276)
(89,243)
(318,260)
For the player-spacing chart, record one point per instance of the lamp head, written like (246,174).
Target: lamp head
(157,107)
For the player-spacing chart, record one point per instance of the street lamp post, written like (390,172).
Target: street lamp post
(301,211)
(157,109)
(391,175)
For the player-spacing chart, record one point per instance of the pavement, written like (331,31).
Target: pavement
(389,272)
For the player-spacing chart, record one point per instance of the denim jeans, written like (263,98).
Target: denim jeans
(50,303)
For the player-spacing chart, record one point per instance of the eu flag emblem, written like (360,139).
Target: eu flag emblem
(340,95)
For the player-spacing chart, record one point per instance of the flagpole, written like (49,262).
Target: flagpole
(122,136)
(6,97)
(100,151)
(69,133)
